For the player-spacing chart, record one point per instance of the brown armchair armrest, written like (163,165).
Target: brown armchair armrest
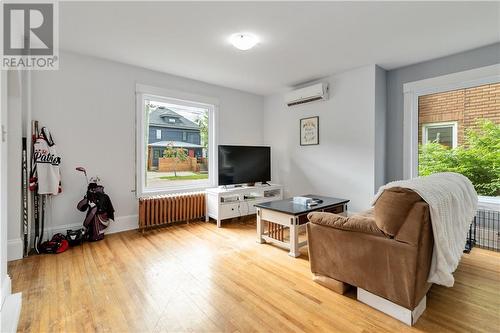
(357,223)
(416,225)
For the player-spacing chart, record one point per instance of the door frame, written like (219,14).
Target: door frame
(4,278)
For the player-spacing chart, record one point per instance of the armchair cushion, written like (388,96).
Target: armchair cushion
(358,223)
(392,208)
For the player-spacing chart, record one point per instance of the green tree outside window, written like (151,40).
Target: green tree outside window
(178,154)
(478,158)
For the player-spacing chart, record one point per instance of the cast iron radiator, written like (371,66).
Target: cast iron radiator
(167,209)
(485,230)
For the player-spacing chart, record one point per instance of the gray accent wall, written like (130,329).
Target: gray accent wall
(484,56)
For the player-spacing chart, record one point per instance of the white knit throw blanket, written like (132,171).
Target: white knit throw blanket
(453,203)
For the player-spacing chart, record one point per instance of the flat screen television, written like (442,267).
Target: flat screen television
(244,164)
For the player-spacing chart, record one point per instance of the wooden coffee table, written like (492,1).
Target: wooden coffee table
(287,214)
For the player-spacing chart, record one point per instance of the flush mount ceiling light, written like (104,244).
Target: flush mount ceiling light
(243,41)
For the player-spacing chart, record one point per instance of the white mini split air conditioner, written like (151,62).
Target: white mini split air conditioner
(316,92)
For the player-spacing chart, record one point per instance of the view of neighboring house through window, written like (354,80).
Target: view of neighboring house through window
(176,144)
(442,133)
(459,131)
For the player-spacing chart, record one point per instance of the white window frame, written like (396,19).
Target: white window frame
(452,124)
(181,98)
(413,90)
(158,134)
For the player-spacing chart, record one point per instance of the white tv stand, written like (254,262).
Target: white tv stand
(225,203)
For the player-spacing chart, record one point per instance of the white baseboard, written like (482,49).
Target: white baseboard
(10,312)
(121,223)
(409,317)
(14,249)
(6,289)
(10,307)
(124,223)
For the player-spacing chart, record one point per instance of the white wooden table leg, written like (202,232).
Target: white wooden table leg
(294,238)
(259,228)
(218,223)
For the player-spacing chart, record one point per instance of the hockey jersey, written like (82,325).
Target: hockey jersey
(47,164)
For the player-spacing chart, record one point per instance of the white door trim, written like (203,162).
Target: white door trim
(10,305)
(4,278)
(412,90)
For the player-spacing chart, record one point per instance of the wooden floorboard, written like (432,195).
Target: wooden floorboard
(197,278)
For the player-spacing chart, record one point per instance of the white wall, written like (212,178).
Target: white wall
(343,164)
(89,106)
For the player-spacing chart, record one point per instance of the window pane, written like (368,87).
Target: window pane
(176,146)
(474,113)
(442,135)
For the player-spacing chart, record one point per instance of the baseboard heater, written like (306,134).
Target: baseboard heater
(166,209)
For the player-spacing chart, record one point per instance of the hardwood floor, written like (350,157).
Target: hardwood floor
(198,278)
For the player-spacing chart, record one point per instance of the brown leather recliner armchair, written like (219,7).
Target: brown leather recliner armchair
(386,251)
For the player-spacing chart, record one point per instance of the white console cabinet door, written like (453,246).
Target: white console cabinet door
(227,211)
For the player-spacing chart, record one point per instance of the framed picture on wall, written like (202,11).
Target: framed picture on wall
(309,131)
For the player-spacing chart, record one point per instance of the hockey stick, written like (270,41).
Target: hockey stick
(42,218)
(36,204)
(25,197)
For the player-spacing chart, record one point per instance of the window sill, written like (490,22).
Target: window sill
(175,190)
(489,203)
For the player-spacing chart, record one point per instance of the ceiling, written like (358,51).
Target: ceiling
(299,41)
